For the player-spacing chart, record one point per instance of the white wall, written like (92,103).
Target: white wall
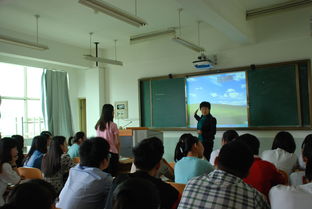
(279,38)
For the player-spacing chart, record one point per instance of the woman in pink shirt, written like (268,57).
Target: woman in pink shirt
(107,129)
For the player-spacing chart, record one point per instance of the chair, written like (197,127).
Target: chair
(76,160)
(30,173)
(172,164)
(179,187)
(285,175)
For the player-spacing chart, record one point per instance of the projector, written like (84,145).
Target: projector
(204,63)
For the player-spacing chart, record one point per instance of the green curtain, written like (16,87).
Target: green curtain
(55,103)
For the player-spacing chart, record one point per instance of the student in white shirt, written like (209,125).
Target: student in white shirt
(8,168)
(282,153)
(297,178)
(227,137)
(88,185)
(293,197)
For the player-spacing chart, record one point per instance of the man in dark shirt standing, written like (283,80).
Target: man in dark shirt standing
(206,128)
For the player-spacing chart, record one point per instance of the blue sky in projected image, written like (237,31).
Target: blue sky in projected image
(227,88)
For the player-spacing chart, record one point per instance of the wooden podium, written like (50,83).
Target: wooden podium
(132,136)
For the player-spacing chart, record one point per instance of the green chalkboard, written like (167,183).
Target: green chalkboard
(163,103)
(273,96)
(145,100)
(168,109)
(304,93)
(278,96)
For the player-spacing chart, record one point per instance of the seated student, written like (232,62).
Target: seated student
(74,144)
(262,175)
(36,152)
(297,178)
(165,170)
(8,168)
(136,193)
(293,197)
(282,153)
(56,163)
(33,194)
(87,186)
(188,154)
(20,145)
(147,156)
(227,137)
(48,135)
(224,187)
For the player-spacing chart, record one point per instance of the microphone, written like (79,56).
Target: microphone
(127,124)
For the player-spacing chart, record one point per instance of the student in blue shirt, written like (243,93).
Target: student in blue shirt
(188,154)
(87,186)
(75,143)
(36,152)
(206,128)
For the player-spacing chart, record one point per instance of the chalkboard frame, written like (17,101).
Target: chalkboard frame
(243,68)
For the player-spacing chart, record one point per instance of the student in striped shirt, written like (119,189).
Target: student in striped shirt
(224,187)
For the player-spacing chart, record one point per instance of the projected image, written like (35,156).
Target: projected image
(227,95)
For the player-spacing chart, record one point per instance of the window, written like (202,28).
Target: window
(20,90)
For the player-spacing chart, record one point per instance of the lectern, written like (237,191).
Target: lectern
(133,135)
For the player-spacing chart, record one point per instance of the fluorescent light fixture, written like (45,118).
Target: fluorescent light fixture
(150,35)
(113,11)
(188,44)
(103,60)
(277,8)
(23,43)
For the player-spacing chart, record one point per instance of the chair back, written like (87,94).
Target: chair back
(172,164)
(285,175)
(76,160)
(30,173)
(179,187)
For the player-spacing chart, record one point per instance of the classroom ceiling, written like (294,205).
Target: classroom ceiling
(67,21)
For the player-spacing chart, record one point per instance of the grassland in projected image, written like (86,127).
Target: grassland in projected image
(226,115)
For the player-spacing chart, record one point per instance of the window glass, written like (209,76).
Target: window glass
(11,80)
(12,117)
(34,82)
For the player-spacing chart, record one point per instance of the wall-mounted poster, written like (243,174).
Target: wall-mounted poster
(121,110)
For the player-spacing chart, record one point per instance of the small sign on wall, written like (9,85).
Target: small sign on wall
(121,110)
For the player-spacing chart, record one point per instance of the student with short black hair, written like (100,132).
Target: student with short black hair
(56,163)
(147,156)
(36,152)
(206,127)
(188,154)
(227,137)
(8,168)
(87,186)
(224,187)
(136,193)
(263,175)
(34,194)
(74,144)
(298,177)
(20,145)
(282,154)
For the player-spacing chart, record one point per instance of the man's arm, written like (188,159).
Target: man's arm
(196,116)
